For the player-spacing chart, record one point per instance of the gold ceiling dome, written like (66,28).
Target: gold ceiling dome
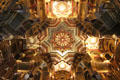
(58,40)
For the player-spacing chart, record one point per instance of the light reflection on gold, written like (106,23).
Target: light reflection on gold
(103,71)
(92,43)
(23,71)
(47,0)
(62,9)
(62,65)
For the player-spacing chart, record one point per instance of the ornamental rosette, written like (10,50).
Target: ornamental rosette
(62,40)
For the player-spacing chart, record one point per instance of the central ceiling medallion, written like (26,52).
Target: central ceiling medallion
(62,40)
(62,8)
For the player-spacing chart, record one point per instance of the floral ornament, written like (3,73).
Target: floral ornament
(62,40)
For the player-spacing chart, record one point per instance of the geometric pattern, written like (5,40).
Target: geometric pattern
(62,40)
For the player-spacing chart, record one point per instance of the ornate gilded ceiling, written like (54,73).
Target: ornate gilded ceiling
(60,39)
